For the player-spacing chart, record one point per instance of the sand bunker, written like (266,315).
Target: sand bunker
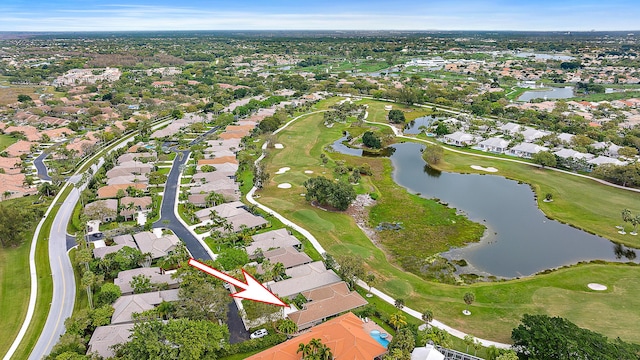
(489,169)
(308,172)
(282,170)
(284,186)
(278,146)
(597,287)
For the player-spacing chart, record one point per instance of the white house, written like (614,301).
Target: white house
(510,128)
(494,144)
(459,138)
(569,153)
(601,160)
(531,134)
(527,150)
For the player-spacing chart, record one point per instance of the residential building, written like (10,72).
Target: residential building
(459,138)
(527,150)
(494,144)
(326,302)
(303,278)
(157,276)
(344,335)
(104,338)
(272,240)
(128,305)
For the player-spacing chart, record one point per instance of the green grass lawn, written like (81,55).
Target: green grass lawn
(15,283)
(501,304)
(6,141)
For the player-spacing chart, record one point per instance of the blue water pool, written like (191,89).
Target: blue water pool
(380,338)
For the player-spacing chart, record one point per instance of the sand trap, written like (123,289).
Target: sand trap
(597,287)
(282,170)
(284,186)
(278,146)
(308,172)
(489,169)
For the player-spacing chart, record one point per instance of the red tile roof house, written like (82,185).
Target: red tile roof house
(344,335)
(19,148)
(29,131)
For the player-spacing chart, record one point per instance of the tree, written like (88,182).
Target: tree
(628,152)
(13,225)
(141,284)
(24,98)
(468,340)
(157,178)
(427,316)
(370,280)
(397,320)
(232,258)
(509,355)
(399,304)
(544,337)
(47,189)
(396,117)
(350,268)
(315,350)
(469,298)
(108,294)
(545,158)
(287,326)
(201,296)
(213,199)
(371,140)
(326,192)
(433,154)
(404,340)
(175,339)
(438,336)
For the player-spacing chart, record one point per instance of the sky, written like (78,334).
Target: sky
(138,15)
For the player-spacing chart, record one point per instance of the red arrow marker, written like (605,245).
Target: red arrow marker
(252,289)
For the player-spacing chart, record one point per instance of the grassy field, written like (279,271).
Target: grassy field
(6,141)
(14,279)
(10,95)
(501,304)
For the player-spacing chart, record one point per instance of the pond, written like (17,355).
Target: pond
(413,126)
(519,240)
(553,93)
(340,147)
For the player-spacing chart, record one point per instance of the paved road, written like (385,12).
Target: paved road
(198,250)
(41,167)
(64,289)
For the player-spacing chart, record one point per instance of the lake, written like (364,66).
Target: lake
(544,56)
(553,93)
(519,240)
(413,126)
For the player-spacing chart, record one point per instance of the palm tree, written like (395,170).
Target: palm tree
(635,220)
(399,303)
(278,270)
(370,279)
(397,320)
(626,216)
(427,317)
(288,327)
(6,194)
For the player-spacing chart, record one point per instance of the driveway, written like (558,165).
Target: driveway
(41,167)
(168,219)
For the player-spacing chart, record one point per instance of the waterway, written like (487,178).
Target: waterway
(553,93)
(519,240)
(413,126)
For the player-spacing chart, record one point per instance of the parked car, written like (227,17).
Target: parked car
(259,333)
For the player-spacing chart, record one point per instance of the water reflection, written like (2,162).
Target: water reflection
(621,252)
(435,173)
(418,125)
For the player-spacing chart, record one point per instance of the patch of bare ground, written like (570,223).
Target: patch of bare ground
(359,211)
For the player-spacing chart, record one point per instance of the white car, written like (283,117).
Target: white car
(259,333)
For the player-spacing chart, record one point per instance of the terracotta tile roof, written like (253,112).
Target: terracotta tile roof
(111,191)
(19,148)
(344,335)
(9,165)
(218,160)
(227,136)
(29,131)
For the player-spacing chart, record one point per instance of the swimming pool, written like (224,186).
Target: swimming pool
(380,338)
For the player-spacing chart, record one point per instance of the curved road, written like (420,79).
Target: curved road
(170,219)
(41,167)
